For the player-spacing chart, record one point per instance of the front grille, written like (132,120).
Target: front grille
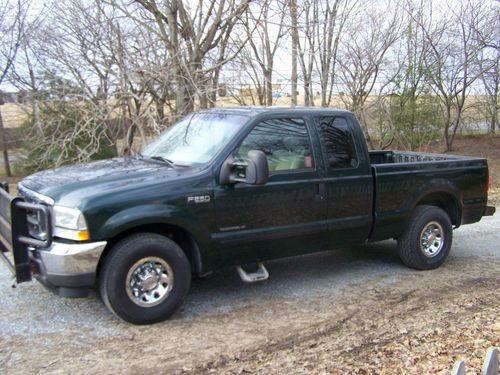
(36,225)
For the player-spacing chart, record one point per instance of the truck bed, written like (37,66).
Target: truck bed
(404,179)
(393,157)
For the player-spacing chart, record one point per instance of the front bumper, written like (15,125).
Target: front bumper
(68,269)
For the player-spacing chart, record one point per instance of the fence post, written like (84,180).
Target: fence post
(459,368)
(490,366)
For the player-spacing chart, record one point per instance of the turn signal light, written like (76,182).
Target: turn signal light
(83,235)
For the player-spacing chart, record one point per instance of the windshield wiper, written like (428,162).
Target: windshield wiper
(165,160)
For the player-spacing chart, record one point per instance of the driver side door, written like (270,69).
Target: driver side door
(287,215)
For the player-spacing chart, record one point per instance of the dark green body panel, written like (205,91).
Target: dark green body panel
(400,187)
(297,211)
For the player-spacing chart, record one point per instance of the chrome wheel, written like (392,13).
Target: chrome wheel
(149,281)
(432,239)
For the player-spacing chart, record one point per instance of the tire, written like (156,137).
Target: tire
(145,278)
(426,242)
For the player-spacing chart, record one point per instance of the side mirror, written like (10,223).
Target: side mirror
(254,171)
(257,172)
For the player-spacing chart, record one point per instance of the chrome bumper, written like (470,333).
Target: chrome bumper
(68,269)
(67,259)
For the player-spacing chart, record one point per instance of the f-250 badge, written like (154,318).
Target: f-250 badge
(199,199)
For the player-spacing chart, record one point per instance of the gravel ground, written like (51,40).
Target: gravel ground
(357,310)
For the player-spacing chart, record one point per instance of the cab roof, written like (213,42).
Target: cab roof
(285,110)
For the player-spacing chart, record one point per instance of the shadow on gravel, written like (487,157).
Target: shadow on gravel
(307,276)
(297,278)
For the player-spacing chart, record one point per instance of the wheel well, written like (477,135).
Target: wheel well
(179,235)
(446,202)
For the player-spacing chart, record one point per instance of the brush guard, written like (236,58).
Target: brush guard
(15,236)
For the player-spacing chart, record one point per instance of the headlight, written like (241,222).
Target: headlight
(70,223)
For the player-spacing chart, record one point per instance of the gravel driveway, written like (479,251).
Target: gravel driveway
(332,312)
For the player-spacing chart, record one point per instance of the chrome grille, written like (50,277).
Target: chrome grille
(36,225)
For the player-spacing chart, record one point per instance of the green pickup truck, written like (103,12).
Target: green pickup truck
(231,187)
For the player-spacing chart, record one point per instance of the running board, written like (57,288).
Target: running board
(260,275)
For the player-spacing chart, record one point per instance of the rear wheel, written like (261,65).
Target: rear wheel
(426,242)
(145,278)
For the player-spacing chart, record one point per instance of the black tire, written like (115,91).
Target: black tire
(155,257)
(427,224)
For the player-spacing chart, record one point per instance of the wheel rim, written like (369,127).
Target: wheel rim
(432,239)
(149,281)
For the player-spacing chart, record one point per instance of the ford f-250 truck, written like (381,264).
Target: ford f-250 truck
(231,187)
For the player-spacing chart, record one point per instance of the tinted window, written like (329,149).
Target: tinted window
(285,142)
(337,138)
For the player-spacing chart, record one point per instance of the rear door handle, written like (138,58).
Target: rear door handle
(320,191)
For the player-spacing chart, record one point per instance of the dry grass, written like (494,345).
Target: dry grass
(13,115)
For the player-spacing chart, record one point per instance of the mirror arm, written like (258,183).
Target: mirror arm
(234,180)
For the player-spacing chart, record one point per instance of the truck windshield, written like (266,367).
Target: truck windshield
(196,139)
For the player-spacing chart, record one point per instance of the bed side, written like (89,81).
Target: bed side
(403,180)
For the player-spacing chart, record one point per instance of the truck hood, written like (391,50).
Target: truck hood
(102,175)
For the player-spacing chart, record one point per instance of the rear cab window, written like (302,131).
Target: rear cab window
(338,142)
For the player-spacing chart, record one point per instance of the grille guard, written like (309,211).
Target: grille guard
(14,233)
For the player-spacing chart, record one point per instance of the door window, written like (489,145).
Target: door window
(339,143)
(285,141)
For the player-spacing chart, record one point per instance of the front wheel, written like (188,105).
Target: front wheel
(426,242)
(145,278)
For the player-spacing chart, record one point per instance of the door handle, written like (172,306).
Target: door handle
(320,191)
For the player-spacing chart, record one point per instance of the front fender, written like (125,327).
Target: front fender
(147,214)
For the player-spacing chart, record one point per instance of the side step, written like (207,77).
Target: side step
(260,275)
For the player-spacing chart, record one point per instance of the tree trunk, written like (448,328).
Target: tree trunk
(295,37)
(494,115)
(184,103)
(447,125)
(4,148)
(160,110)
(362,119)
(268,77)
(307,100)
(129,140)
(324,88)
(214,88)
(203,98)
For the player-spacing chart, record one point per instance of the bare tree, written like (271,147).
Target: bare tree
(307,47)
(248,85)
(362,59)
(328,34)
(189,32)
(451,62)
(488,35)
(12,20)
(490,78)
(266,32)
(295,45)
(412,122)
(323,27)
